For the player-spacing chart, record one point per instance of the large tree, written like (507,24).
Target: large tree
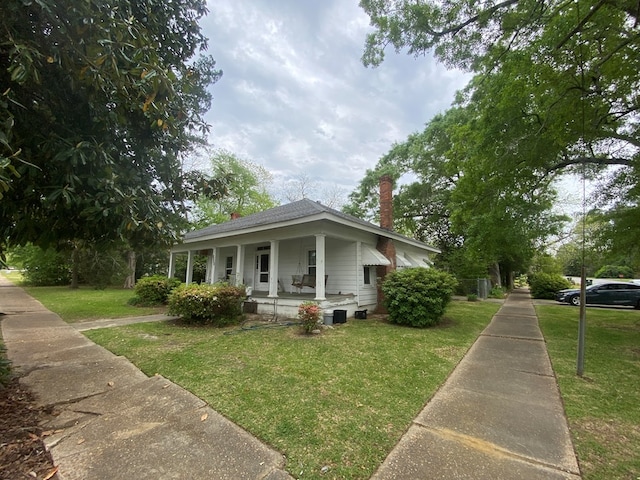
(101,100)
(480,223)
(556,90)
(246,192)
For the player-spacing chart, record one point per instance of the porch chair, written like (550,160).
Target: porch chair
(301,281)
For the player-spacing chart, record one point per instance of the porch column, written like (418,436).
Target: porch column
(208,272)
(320,264)
(359,270)
(239,265)
(189,278)
(214,260)
(172,265)
(273,268)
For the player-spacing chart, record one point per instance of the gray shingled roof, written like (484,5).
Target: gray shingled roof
(291,211)
(284,213)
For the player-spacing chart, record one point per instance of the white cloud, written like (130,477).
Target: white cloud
(295,97)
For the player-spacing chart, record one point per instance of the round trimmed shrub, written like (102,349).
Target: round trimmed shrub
(546,285)
(219,304)
(154,290)
(417,296)
(614,271)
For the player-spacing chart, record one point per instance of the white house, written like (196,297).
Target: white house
(305,250)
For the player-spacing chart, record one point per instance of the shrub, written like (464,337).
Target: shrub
(417,296)
(546,285)
(154,290)
(309,316)
(42,268)
(614,271)
(472,297)
(497,292)
(219,304)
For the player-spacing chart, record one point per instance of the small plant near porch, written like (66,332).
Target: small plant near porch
(309,314)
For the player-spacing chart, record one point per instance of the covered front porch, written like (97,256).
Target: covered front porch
(285,305)
(332,270)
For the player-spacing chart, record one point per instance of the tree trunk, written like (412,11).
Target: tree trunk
(130,281)
(74,268)
(494,273)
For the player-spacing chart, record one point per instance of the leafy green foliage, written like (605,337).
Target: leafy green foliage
(43,267)
(497,292)
(154,290)
(478,218)
(554,93)
(546,285)
(417,296)
(614,271)
(309,314)
(218,305)
(246,191)
(100,102)
(49,267)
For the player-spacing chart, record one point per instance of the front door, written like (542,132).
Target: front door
(262,272)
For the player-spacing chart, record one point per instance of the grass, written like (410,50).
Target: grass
(603,407)
(339,400)
(85,303)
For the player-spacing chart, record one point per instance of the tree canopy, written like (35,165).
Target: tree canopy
(246,191)
(100,102)
(555,91)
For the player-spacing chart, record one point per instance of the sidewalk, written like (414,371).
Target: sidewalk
(498,416)
(113,422)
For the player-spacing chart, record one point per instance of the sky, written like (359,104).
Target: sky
(295,98)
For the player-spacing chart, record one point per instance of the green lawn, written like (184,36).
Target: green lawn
(603,407)
(86,303)
(340,400)
(89,304)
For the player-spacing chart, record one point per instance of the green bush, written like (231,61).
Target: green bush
(497,292)
(417,296)
(154,290)
(42,268)
(219,304)
(614,271)
(546,285)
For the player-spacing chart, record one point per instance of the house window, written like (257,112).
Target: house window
(228,269)
(311,262)
(367,275)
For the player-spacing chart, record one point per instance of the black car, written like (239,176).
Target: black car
(609,293)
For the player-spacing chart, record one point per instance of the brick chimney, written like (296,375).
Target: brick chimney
(385,244)
(235,215)
(386,202)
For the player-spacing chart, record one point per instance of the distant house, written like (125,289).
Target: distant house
(305,250)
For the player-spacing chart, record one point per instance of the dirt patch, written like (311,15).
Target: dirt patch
(22,451)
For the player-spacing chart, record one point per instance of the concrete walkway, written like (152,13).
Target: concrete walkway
(113,422)
(498,416)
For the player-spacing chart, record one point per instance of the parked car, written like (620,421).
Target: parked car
(609,293)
